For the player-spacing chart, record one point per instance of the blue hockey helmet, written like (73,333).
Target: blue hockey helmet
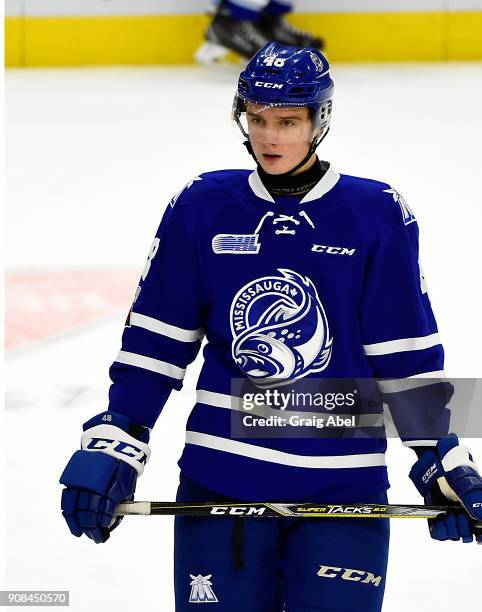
(282,75)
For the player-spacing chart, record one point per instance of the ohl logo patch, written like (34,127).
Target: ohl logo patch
(280,329)
(202,589)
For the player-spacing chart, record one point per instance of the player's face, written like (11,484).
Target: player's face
(280,136)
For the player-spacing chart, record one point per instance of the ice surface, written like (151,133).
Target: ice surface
(92,158)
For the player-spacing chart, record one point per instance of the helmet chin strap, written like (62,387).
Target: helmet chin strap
(314,145)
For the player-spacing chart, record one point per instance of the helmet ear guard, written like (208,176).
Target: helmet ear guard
(321,116)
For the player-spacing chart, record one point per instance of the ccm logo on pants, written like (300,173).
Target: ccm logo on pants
(326,571)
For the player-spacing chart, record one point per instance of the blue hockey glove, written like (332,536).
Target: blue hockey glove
(448,476)
(103,474)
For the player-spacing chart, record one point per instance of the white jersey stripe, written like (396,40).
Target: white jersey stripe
(275,456)
(220,400)
(165,329)
(404,344)
(151,364)
(414,443)
(412,382)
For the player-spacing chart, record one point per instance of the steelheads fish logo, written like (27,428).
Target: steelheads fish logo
(280,329)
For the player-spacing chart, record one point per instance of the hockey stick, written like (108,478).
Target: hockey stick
(269,509)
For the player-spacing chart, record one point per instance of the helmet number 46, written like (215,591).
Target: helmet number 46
(272,60)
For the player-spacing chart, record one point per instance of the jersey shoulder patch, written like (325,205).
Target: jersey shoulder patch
(405,210)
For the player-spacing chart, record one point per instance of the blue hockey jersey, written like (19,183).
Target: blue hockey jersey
(283,289)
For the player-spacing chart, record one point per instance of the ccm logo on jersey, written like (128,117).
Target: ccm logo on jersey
(119,447)
(477,505)
(238,510)
(353,575)
(331,250)
(268,85)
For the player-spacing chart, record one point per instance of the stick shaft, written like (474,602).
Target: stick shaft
(271,509)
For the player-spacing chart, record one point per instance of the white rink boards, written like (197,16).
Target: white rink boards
(181,7)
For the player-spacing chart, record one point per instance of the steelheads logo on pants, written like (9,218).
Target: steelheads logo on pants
(202,589)
(280,329)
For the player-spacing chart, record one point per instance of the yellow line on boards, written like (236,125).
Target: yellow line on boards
(90,41)
(173,39)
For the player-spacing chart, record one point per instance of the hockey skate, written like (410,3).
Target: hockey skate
(225,35)
(274,27)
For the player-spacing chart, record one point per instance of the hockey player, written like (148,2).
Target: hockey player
(293,273)
(244,26)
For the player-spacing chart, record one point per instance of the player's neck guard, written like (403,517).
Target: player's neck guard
(295,185)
